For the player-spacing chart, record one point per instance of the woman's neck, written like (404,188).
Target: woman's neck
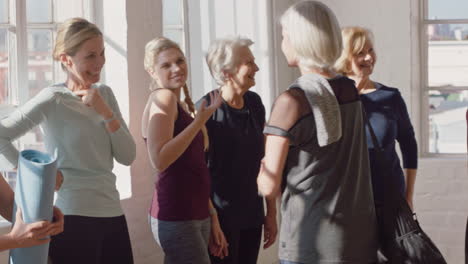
(363,84)
(176,92)
(234,97)
(326,73)
(76,86)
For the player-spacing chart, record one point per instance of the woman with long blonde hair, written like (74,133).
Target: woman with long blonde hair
(180,210)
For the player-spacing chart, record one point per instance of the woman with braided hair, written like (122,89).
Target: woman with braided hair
(176,141)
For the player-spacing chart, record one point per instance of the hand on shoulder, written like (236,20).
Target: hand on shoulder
(205,110)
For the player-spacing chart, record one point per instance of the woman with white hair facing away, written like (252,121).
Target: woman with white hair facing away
(316,150)
(179,213)
(234,155)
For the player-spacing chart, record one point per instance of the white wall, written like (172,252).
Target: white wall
(127,26)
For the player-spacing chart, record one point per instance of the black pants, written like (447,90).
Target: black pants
(243,246)
(92,240)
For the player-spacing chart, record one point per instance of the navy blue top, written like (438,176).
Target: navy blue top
(236,149)
(389,118)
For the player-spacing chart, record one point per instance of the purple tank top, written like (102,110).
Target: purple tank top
(183,189)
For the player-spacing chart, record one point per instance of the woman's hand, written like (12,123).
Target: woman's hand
(92,98)
(204,111)
(58,222)
(217,245)
(270,230)
(28,235)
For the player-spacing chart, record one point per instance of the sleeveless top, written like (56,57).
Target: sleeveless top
(182,189)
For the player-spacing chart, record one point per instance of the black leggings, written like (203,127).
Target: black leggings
(92,240)
(243,246)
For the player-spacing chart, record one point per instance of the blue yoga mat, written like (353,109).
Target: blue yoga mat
(34,194)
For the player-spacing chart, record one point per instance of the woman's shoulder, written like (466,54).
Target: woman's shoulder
(341,79)
(50,93)
(387,93)
(205,97)
(253,98)
(386,89)
(163,99)
(293,97)
(252,94)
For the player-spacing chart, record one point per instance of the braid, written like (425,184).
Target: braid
(188,101)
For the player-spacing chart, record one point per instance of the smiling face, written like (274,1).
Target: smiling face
(170,69)
(246,69)
(84,68)
(362,64)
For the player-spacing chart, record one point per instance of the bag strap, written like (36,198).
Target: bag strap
(392,188)
(375,142)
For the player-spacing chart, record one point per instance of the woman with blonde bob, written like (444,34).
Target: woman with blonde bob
(234,155)
(387,115)
(82,121)
(315,149)
(179,213)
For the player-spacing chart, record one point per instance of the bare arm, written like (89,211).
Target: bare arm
(163,147)
(271,170)
(285,113)
(26,235)
(6,199)
(270,226)
(218,246)
(22,234)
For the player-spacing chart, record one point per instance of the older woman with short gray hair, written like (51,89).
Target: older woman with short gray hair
(234,155)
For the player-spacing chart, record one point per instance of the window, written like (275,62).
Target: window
(27,31)
(445,76)
(174,17)
(174,21)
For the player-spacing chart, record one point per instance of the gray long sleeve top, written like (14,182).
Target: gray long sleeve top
(85,148)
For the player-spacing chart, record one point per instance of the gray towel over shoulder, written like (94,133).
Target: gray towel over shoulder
(324,106)
(327,208)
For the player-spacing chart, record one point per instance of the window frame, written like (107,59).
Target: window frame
(424,22)
(18,45)
(185,35)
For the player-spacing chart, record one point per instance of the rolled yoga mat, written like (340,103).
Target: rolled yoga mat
(34,194)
